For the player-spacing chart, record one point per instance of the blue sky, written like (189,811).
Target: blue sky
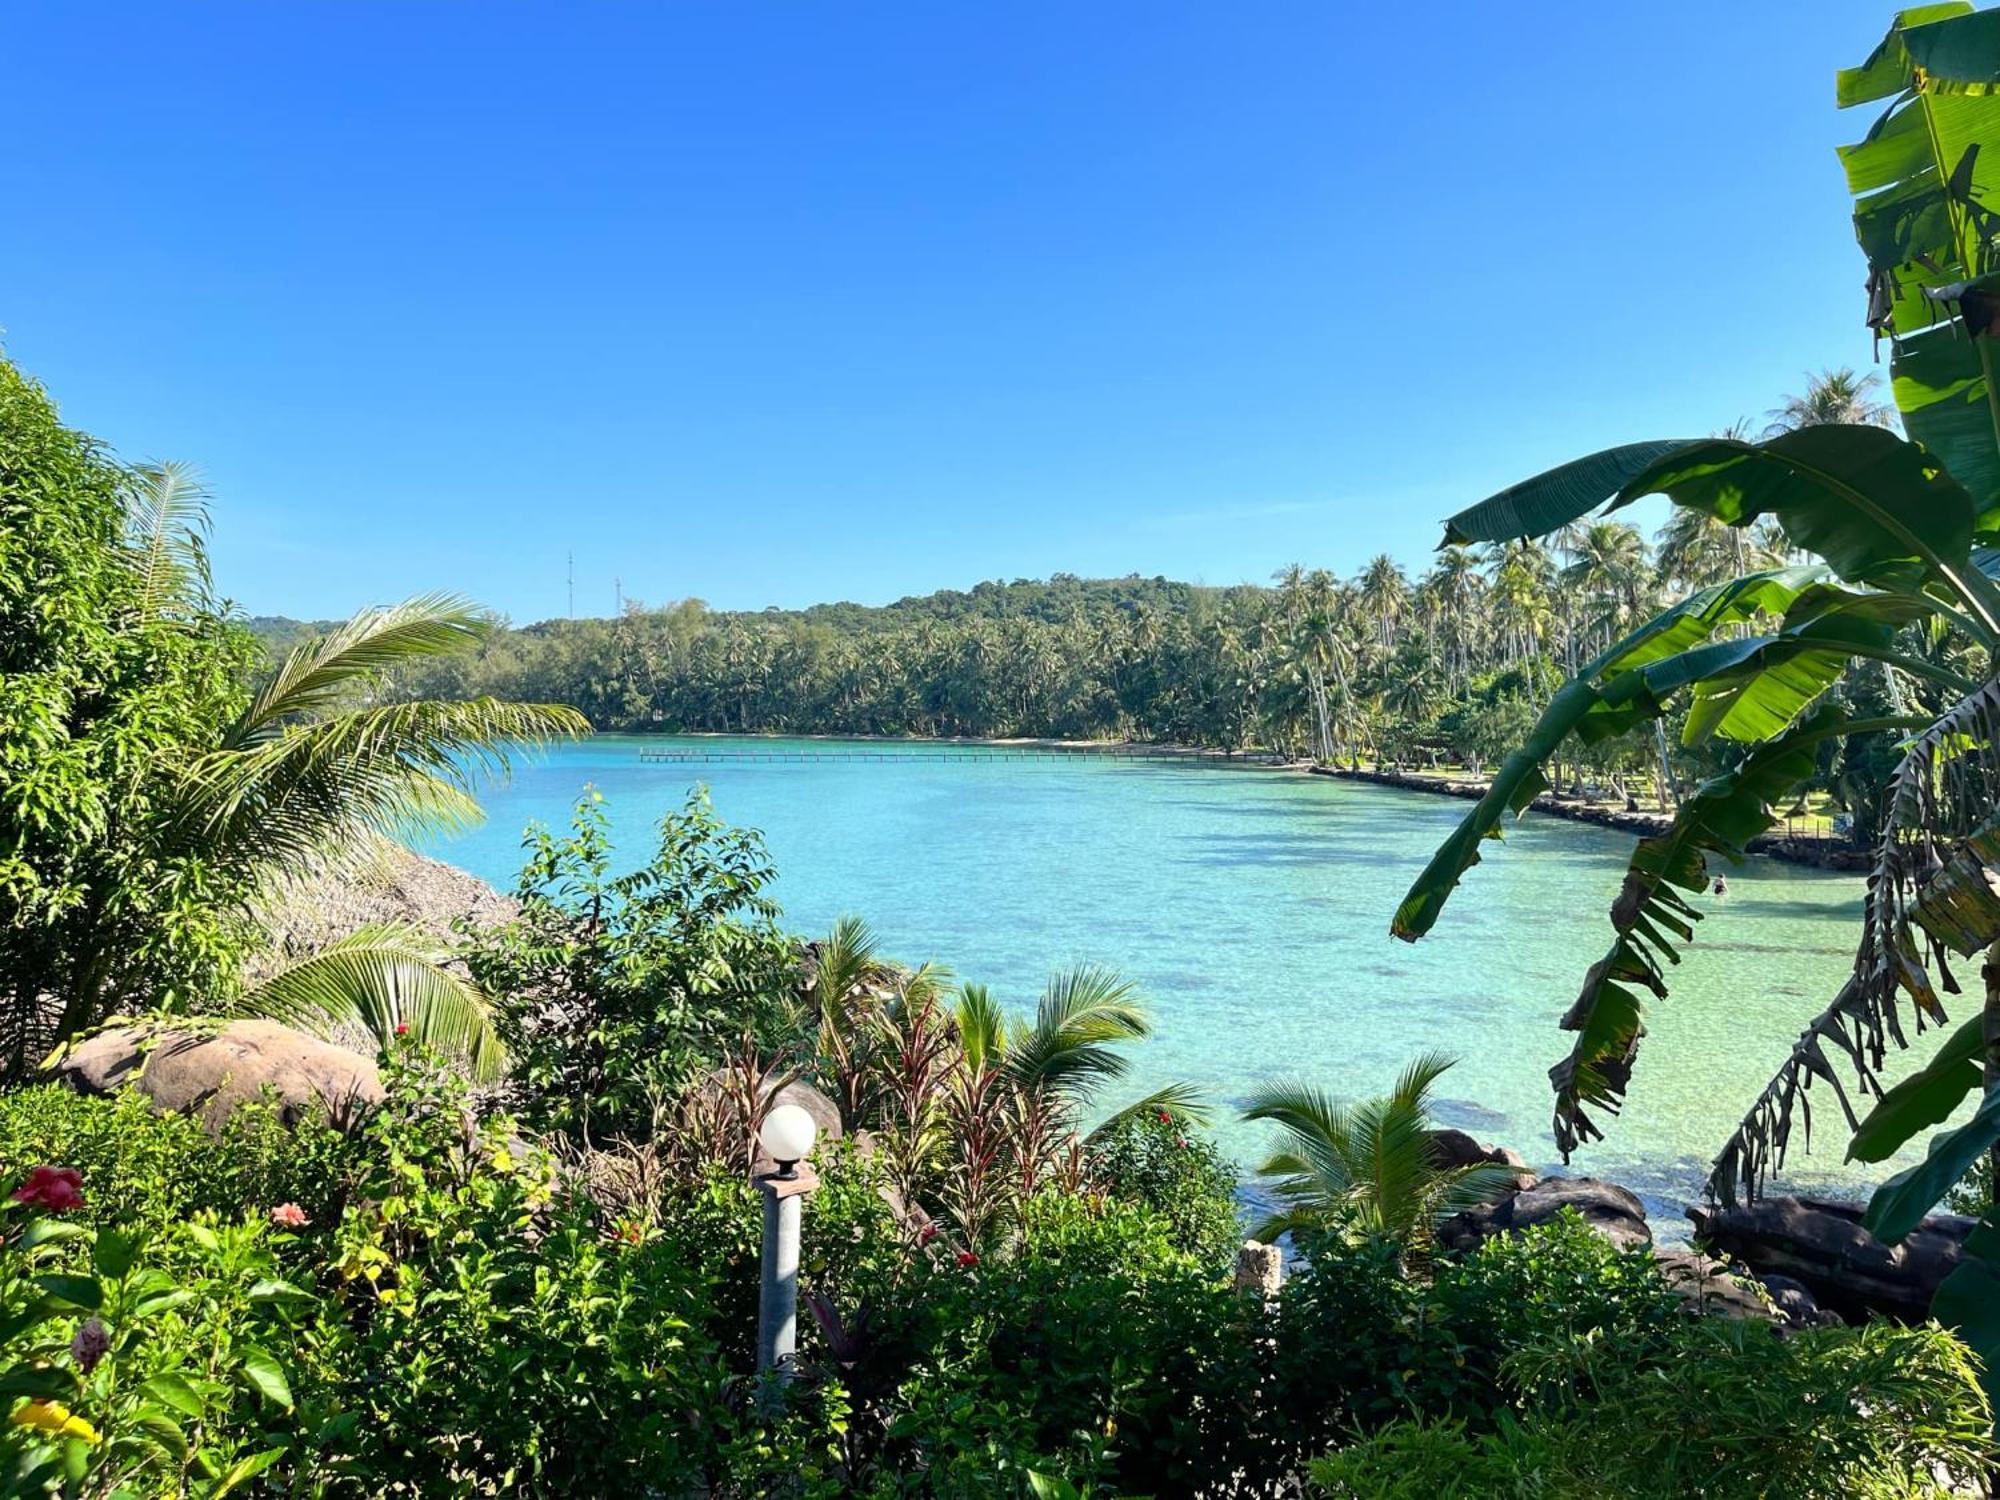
(777,303)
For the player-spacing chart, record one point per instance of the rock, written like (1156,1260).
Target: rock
(399,887)
(214,1072)
(1707,1287)
(1796,1301)
(1821,1246)
(1611,1210)
(1454,1148)
(1260,1268)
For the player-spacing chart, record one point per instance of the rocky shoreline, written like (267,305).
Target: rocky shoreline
(1818,853)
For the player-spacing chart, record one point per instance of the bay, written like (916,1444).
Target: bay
(1252,908)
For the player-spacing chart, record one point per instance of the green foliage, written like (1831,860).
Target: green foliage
(492,1337)
(100,699)
(1160,1162)
(150,1171)
(612,989)
(1368,1169)
(1728,1410)
(138,1363)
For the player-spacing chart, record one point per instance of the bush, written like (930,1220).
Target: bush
(1722,1409)
(148,1171)
(1159,1162)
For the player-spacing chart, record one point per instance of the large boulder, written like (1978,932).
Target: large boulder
(397,886)
(1821,1245)
(214,1072)
(1455,1148)
(1611,1210)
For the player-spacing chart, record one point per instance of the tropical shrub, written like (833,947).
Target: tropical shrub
(1724,1409)
(1160,1161)
(139,1362)
(612,990)
(148,1171)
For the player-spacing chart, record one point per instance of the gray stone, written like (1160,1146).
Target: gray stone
(1609,1209)
(1260,1268)
(1455,1148)
(1707,1287)
(186,1071)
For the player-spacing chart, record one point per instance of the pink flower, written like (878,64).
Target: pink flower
(289,1216)
(1181,1141)
(58,1189)
(402,1028)
(92,1343)
(967,1260)
(928,1233)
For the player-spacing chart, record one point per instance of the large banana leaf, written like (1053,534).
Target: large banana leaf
(1900,1204)
(1631,684)
(1651,918)
(1551,500)
(1926,180)
(1926,1098)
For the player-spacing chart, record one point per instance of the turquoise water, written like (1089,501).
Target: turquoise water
(1252,907)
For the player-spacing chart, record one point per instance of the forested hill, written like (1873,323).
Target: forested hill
(1061,656)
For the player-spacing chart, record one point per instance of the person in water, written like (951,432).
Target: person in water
(1721,886)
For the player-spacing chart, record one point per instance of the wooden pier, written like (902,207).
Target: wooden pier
(933,754)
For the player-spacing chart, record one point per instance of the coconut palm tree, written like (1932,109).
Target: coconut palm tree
(1369,1168)
(314,772)
(1832,397)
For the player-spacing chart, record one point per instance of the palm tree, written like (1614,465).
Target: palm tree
(1832,397)
(1369,1168)
(315,771)
(1385,594)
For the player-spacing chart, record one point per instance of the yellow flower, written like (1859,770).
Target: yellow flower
(53,1416)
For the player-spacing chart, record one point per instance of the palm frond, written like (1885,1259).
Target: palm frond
(400,769)
(168,522)
(1182,1099)
(1413,1084)
(379,979)
(982,1030)
(1071,1047)
(322,673)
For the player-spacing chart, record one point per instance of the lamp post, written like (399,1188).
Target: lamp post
(787,1134)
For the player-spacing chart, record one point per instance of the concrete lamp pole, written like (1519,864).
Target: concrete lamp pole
(787,1134)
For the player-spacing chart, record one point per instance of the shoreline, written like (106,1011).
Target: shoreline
(1814,853)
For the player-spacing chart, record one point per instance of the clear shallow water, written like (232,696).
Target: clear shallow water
(1252,908)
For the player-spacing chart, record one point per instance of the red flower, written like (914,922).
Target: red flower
(1165,1118)
(58,1189)
(928,1233)
(967,1259)
(402,1028)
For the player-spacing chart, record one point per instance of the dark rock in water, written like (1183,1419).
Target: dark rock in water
(1611,1210)
(1821,1247)
(1454,1148)
(1796,1301)
(214,1072)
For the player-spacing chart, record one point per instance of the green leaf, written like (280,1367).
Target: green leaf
(1900,1204)
(163,1430)
(246,1469)
(273,1290)
(1960,55)
(37,1382)
(1551,500)
(1926,1098)
(174,1390)
(1887,70)
(1968,1300)
(50,1232)
(266,1376)
(85,1292)
(1875,506)
(114,1253)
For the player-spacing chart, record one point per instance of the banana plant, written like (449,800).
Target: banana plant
(1908,529)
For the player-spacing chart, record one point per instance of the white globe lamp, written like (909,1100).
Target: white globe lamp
(788,1133)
